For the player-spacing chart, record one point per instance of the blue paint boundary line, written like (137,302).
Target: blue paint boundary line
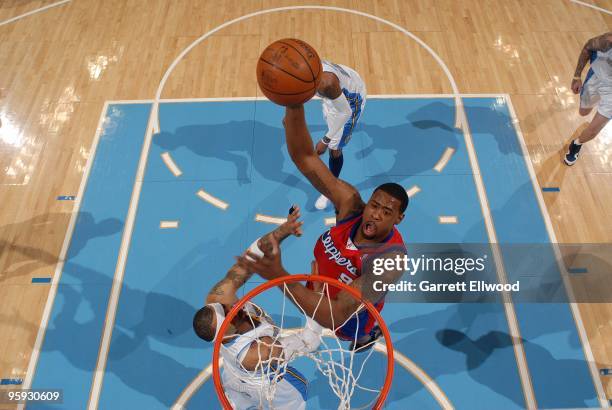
(41,280)
(551,189)
(577,270)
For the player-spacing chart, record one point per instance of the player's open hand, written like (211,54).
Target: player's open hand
(269,266)
(576,86)
(292,226)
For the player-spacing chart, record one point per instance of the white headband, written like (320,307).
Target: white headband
(219,314)
(250,308)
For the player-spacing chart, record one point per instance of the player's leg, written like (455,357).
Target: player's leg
(597,123)
(336,158)
(590,96)
(361,330)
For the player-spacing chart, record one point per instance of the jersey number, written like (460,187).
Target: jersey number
(344,278)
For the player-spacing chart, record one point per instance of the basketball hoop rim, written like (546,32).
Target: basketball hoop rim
(302,278)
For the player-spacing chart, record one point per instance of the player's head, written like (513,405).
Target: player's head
(208,320)
(384,209)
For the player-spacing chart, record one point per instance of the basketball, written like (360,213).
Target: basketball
(289,71)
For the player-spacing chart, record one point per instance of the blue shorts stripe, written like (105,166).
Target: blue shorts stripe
(297,380)
(355,101)
(588,76)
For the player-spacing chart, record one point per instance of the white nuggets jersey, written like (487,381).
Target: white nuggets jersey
(597,87)
(244,388)
(349,79)
(342,116)
(602,67)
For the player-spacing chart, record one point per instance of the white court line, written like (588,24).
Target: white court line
(270,219)
(448,220)
(29,13)
(120,270)
(427,382)
(168,224)
(459,115)
(413,191)
(513,327)
(59,267)
(373,96)
(582,3)
(167,158)
(212,200)
(194,386)
(446,156)
(553,240)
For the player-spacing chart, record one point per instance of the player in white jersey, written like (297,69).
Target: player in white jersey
(596,90)
(252,347)
(344,96)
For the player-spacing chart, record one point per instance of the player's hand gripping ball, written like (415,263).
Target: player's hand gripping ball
(289,71)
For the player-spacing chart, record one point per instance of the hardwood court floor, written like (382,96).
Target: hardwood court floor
(58,67)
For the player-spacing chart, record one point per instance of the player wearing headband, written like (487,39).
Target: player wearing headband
(252,348)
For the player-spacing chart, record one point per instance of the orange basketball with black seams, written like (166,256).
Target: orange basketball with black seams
(289,71)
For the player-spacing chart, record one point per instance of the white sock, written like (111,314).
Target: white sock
(577,142)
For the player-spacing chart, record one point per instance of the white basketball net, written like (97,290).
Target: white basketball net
(335,362)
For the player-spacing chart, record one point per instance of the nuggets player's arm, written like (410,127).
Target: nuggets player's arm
(344,196)
(599,43)
(225,290)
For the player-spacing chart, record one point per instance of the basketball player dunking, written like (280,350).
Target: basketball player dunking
(252,336)
(362,230)
(344,96)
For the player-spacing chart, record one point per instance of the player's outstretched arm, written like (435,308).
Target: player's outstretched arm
(225,290)
(344,196)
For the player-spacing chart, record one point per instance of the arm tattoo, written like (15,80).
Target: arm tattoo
(233,276)
(217,289)
(237,278)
